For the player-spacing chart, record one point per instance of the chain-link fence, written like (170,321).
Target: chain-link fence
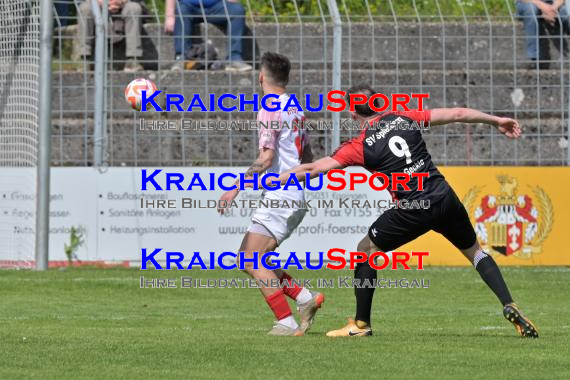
(465,54)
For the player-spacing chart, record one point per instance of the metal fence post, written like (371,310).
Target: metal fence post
(336,61)
(44,141)
(100,15)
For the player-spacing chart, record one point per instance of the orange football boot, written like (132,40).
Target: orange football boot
(351,329)
(523,325)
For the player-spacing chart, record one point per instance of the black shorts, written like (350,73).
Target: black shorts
(396,227)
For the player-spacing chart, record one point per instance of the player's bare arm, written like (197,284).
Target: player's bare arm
(507,126)
(322,165)
(260,165)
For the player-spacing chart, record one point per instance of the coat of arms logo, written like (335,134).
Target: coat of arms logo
(510,223)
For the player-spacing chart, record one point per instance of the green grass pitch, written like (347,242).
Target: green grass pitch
(97,323)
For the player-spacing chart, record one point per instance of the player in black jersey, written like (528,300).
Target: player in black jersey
(395,145)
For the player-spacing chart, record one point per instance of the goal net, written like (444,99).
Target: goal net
(19,97)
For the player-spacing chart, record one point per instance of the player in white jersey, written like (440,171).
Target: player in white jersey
(280,149)
(289,145)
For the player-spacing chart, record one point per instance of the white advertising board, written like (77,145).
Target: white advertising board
(106,207)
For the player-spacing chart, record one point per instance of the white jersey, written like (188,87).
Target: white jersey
(286,140)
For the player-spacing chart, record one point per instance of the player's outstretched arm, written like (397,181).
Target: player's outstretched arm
(322,165)
(507,126)
(261,164)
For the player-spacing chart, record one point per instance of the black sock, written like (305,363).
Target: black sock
(364,295)
(490,273)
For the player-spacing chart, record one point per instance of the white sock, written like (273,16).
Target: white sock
(303,296)
(289,321)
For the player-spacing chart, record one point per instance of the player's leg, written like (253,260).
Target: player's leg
(456,227)
(491,275)
(487,268)
(280,224)
(254,242)
(291,288)
(275,298)
(391,230)
(284,223)
(360,325)
(308,301)
(364,295)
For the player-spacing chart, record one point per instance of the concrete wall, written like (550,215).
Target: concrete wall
(478,65)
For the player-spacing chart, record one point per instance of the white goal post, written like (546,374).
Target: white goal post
(25,124)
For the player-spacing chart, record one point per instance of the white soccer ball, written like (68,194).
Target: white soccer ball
(133,92)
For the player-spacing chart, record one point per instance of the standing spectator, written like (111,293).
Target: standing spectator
(218,12)
(126,16)
(539,16)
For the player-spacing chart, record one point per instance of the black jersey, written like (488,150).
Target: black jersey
(394,144)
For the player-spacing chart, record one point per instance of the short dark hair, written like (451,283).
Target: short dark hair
(363,109)
(277,68)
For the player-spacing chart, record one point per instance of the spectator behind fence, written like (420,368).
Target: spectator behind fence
(125,17)
(539,17)
(62,12)
(182,15)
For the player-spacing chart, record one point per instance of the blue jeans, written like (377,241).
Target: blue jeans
(233,22)
(534,26)
(62,11)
